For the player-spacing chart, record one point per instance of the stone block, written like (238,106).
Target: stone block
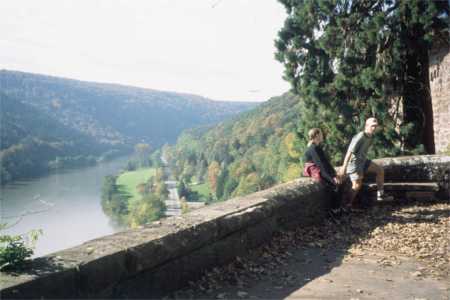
(156,252)
(150,284)
(420,195)
(55,285)
(242,219)
(229,248)
(98,276)
(261,233)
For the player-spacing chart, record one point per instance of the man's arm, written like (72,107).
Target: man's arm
(352,148)
(347,158)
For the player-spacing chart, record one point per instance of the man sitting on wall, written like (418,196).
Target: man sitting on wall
(356,164)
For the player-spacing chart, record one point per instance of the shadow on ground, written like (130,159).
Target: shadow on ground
(372,254)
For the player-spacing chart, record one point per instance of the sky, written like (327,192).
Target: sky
(220,49)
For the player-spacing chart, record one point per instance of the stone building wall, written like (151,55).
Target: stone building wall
(440,94)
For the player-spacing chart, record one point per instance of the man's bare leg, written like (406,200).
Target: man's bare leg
(379,171)
(356,187)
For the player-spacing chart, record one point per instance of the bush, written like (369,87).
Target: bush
(16,249)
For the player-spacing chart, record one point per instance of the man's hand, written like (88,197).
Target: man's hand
(340,173)
(339,179)
(336,180)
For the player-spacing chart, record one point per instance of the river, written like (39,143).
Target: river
(66,205)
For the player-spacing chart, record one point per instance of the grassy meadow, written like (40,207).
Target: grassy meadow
(128,181)
(202,189)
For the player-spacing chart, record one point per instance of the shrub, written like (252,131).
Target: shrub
(16,249)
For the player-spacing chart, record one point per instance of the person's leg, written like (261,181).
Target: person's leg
(356,187)
(379,171)
(357,180)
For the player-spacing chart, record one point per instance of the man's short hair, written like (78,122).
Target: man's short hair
(371,121)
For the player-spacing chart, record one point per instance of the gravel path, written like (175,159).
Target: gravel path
(391,251)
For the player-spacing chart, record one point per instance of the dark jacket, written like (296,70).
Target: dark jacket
(314,154)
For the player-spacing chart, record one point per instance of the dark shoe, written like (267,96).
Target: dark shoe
(356,210)
(345,210)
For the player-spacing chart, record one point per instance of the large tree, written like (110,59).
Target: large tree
(353,59)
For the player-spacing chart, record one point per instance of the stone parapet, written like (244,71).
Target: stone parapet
(163,256)
(148,262)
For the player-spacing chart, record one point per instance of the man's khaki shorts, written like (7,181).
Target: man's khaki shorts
(359,174)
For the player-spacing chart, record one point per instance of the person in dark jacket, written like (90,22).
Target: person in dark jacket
(319,167)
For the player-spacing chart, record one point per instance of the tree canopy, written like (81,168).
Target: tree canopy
(350,60)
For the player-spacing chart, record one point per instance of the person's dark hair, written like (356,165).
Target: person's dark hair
(312,134)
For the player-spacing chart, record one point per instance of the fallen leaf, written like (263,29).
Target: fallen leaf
(416,274)
(242,294)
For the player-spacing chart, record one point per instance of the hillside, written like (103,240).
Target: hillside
(110,111)
(31,142)
(50,122)
(252,151)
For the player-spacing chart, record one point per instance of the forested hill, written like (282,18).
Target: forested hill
(49,121)
(129,114)
(254,150)
(32,142)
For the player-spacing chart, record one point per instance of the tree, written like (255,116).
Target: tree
(247,185)
(419,23)
(142,151)
(213,174)
(161,190)
(182,189)
(221,180)
(353,59)
(147,209)
(291,142)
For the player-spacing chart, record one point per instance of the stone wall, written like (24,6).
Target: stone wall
(440,94)
(163,256)
(148,262)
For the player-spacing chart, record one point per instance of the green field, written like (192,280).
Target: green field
(202,189)
(129,180)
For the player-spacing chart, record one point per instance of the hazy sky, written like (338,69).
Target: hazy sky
(221,49)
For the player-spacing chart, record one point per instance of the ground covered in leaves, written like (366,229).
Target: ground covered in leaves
(418,232)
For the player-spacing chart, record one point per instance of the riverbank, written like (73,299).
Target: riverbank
(24,169)
(66,205)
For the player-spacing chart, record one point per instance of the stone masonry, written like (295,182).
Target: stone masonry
(163,256)
(440,94)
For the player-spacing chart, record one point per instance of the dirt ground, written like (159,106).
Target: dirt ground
(391,251)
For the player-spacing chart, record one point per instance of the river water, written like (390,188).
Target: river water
(66,205)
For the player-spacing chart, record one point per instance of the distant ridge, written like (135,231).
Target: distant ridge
(121,87)
(96,117)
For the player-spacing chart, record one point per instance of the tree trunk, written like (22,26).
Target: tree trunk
(418,108)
